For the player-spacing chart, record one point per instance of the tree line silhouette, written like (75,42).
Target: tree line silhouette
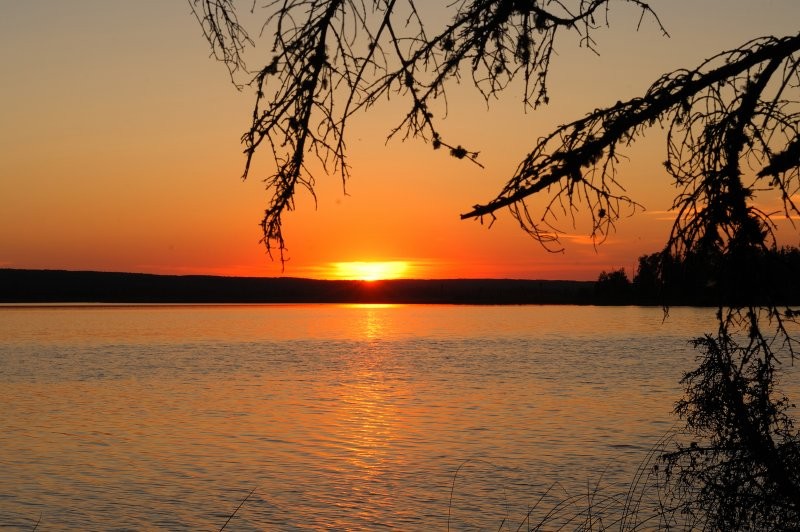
(767,277)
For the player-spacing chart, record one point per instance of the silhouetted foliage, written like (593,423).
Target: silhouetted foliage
(743,472)
(647,284)
(767,278)
(613,288)
(733,130)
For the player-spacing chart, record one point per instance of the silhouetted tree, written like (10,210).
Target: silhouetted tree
(742,472)
(699,279)
(646,280)
(613,287)
(732,129)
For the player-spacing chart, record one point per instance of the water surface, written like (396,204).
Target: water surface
(343,417)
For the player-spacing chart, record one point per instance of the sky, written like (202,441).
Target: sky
(119,151)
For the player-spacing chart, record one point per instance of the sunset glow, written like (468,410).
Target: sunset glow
(368,271)
(145,174)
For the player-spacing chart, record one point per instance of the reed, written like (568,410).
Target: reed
(651,502)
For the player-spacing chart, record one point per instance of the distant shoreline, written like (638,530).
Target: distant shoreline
(63,286)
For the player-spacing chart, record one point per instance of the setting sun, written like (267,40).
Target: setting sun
(369,271)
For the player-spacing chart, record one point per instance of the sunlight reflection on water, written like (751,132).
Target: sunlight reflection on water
(348,417)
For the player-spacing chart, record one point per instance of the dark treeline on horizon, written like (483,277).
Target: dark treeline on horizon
(658,280)
(766,277)
(59,286)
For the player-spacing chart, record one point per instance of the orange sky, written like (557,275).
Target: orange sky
(119,151)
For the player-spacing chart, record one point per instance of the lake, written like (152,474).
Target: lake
(357,417)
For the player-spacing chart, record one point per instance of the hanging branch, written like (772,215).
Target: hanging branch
(717,116)
(334,58)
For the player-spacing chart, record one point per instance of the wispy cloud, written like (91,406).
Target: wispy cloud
(662,216)
(586,240)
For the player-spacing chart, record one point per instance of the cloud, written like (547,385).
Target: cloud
(586,240)
(662,216)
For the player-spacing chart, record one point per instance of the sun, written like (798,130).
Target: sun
(369,271)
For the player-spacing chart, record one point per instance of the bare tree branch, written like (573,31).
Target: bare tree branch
(334,58)
(717,116)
